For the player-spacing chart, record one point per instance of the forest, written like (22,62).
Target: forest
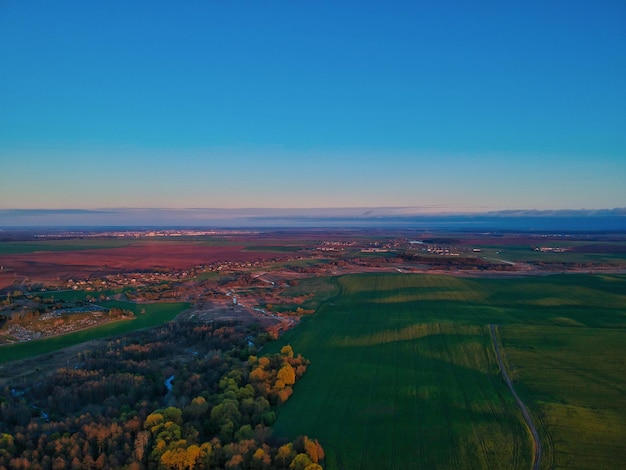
(181,396)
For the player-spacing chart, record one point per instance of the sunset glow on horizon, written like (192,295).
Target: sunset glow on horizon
(449,108)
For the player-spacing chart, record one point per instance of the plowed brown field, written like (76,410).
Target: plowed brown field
(60,265)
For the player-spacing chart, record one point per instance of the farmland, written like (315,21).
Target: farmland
(403,373)
(575,379)
(397,328)
(24,247)
(50,262)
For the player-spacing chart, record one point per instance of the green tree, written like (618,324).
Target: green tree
(285,455)
(261,459)
(300,462)
(286,351)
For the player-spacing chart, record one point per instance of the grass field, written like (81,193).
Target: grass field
(320,287)
(576,380)
(155,314)
(403,373)
(527,254)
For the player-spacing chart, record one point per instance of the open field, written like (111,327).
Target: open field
(403,373)
(153,314)
(50,266)
(317,289)
(575,379)
(21,247)
(577,250)
(575,255)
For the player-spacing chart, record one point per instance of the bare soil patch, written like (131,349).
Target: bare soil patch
(209,311)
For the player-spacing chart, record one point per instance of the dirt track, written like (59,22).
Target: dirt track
(520,403)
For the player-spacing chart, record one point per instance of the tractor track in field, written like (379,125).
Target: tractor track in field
(466,399)
(446,412)
(520,403)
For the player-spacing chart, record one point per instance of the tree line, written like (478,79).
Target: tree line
(114,409)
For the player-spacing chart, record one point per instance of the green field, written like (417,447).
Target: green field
(318,290)
(403,372)
(576,380)
(154,314)
(523,253)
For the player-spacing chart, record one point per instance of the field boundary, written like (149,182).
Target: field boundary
(520,403)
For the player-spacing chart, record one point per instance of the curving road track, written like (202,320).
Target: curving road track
(520,403)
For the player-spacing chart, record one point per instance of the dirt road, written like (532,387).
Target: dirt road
(520,403)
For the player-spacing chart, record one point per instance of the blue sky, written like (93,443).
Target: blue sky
(441,106)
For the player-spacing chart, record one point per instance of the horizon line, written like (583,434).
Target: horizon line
(329,217)
(380,210)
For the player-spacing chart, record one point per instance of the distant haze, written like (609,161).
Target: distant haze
(401,217)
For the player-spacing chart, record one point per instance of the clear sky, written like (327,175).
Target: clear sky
(451,106)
